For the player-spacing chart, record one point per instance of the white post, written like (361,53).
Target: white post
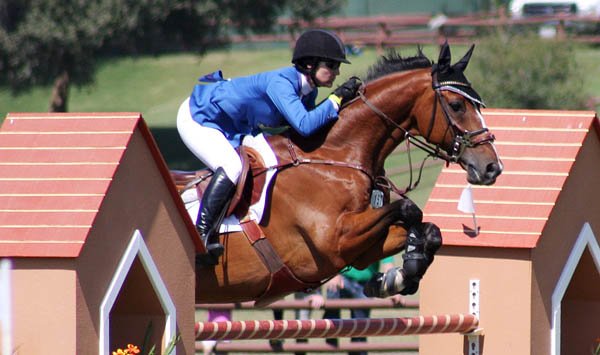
(5,307)
(474,337)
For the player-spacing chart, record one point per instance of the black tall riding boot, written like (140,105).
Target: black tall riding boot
(213,207)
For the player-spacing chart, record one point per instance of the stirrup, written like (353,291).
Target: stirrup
(215,249)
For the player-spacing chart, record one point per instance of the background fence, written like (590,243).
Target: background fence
(393,30)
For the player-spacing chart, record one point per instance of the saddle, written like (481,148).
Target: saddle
(249,187)
(248,192)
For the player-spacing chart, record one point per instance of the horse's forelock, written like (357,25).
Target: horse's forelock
(393,62)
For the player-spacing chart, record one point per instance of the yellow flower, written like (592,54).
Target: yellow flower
(131,350)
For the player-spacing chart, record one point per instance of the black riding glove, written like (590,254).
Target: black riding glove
(347,91)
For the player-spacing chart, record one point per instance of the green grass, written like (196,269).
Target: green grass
(588,58)
(156,85)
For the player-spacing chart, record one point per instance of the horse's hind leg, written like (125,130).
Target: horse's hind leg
(421,245)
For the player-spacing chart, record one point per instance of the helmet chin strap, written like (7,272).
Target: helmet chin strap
(313,77)
(311,72)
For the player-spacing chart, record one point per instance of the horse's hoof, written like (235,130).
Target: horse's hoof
(410,287)
(373,287)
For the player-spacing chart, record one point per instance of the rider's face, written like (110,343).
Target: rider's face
(327,72)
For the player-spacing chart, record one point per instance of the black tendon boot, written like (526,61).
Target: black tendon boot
(213,207)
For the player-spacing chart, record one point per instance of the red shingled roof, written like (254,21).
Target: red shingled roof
(538,149)
(55,170)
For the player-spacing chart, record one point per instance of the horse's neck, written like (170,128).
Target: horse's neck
(368,138)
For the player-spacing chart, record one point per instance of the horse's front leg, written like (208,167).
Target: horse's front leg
(393,243)
(372,229)
(422,243)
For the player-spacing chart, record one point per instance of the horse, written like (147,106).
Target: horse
(319,217)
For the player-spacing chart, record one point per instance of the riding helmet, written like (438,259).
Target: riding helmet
(319,44)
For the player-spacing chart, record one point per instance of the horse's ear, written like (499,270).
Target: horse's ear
(444,58)
(461,65)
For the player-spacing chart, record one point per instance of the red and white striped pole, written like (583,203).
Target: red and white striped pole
(332,328)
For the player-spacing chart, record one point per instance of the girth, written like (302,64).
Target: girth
(283,280)
(248,191)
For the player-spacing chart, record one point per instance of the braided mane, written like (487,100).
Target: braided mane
(393,62)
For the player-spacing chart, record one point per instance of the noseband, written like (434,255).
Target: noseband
(463,138)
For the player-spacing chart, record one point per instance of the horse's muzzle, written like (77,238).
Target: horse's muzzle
(486,177)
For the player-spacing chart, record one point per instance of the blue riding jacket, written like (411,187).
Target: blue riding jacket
(249,104)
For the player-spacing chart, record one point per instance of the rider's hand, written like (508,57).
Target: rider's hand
(347,91)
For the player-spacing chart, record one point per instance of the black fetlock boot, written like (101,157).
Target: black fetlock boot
(415,261)
(213,207)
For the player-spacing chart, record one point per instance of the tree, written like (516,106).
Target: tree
(309,10)
(57,42)
(525,71)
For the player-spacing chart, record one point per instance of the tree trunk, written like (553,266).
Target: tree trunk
(60,93)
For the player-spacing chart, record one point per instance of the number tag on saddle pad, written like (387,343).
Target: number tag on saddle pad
(376,198)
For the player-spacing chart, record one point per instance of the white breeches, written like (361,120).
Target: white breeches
(208,144)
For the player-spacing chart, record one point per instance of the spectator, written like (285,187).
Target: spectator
(349,284)
(315,300)
(215,315)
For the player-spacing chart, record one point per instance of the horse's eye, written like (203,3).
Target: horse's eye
(456,106)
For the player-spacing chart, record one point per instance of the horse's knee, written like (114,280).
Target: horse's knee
(433,240)
(411,213)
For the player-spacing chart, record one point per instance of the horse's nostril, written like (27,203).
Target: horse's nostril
(493,169)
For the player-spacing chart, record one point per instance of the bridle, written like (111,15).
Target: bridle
(463,138)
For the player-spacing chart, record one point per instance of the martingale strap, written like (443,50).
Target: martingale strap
(296,161)
(282,279)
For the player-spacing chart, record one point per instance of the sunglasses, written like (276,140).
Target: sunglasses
(331,64)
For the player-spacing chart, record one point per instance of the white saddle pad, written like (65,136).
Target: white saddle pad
(231,223)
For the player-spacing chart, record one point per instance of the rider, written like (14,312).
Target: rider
(215,118)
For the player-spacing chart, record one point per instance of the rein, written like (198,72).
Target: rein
(463,138)
(381,181)
(296,161)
